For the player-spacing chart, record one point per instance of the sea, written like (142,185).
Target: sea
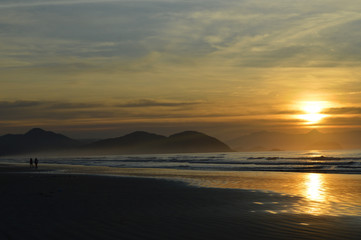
(322,182)
(315,161)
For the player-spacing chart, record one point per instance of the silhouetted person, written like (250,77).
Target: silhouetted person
(31,163)
(36,163)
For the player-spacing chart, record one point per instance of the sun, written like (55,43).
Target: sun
(312,111)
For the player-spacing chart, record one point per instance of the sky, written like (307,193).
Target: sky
(104,68)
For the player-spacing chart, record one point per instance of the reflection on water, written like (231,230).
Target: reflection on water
(311,193)
(315,192)
(314,187)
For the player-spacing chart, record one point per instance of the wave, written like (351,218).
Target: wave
(301,161)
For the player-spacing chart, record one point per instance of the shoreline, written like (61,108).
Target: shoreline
(45,204)
(290,183)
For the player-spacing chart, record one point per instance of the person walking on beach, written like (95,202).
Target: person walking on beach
(31,163)
(36,163)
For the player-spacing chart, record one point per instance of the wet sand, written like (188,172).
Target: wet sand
(48,205)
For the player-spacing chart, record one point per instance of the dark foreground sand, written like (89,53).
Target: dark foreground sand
(39,205)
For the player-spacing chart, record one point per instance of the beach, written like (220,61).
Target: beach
(47,204)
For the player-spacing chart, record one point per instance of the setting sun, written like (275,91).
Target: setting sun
(313,111)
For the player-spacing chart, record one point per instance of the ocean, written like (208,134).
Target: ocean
(323,182)
(345,161)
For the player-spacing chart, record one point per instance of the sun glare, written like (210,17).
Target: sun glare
(313,111)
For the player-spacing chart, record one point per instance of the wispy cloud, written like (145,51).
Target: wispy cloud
(52,105)
(19,104)
(158,59)
(25,110)
(36,3)
(343,110)
(157,103)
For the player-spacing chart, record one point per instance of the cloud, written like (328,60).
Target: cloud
(158,59)
(342,122)
(156,103)
(247,33)
(19,104)
(67,105)
(25,110)
(46,104)
(58,110)
(343,110)
(38,3)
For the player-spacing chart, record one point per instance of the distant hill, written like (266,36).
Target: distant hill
(191,141)
(35,140)
(143,142)
(40,141)
(136,142)
(313,140)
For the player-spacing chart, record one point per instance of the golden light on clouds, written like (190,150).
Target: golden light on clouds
(312,111)
(225,67)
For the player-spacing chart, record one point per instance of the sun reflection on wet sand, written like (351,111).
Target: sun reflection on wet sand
(315,192)
(302,193)
(314,187)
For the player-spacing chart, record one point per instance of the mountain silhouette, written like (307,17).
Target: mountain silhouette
(143,142)
(314,132)
(35,140)
(136,142)
(40,141)
(191,141)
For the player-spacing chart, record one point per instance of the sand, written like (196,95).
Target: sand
(51,205)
